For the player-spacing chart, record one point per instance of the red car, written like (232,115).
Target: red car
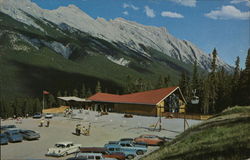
(150,140)
(104,151)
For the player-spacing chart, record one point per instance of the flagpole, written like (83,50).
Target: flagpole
(43,101)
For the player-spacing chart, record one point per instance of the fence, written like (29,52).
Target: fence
(187,116)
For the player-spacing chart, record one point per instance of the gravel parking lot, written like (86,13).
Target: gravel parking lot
(106,128)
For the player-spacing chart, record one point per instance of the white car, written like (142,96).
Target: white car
(48,115)
(63,149)
(93,156)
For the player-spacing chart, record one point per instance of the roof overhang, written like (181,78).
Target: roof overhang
(77,99)
(123,103)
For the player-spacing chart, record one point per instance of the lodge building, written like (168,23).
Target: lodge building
(150,103)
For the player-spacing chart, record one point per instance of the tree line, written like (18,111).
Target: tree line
(216,90)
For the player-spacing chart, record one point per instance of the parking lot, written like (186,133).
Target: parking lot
(105,128)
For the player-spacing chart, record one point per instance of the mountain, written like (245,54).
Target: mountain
(64,48)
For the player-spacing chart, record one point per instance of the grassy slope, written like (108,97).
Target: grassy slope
(225,136)
(19,69)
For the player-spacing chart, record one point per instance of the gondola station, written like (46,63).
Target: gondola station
(149,103)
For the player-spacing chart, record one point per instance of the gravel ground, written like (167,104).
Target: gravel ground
(103,129)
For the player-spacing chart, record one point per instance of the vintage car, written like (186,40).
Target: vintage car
(6,127)
(4,139)
(104,151)
(151,140)
(93,156)
(63,149)
(30,135)
(14,135)
(37,115)
(132,141)
(49,115)
(140,149)
(129,152)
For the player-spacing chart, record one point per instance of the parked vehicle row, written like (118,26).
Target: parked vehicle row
(9,133)
(125,148)
(39,115)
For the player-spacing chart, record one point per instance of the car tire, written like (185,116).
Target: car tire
(130,156)
(139,152)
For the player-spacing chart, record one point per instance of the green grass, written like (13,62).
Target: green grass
(224,137)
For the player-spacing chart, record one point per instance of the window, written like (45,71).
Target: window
(124,145)
(111,149)
(91,157)
(98,157)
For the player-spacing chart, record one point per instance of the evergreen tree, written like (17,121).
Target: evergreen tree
(98,87)
(160,83)
(235,82)
(89,93)
(195,77)
(213,82)
(184,85)
(244,83)
(51,101)
(65,94)
(75,93)
(129,85)
(83,91)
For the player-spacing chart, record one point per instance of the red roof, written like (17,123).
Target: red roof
(151,97)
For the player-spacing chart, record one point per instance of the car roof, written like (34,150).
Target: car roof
(12,130)
(65,142)
(97,154)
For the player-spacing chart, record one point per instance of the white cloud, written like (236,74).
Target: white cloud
(228,12)
(241,1)
(134,7)
(189,3)
(149,12)
(125,5)
(125,13)
(171,14)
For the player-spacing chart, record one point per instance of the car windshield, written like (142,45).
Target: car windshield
(60,145)
(14,133)
(2,135)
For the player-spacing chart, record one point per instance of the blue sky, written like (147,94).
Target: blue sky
(223,24)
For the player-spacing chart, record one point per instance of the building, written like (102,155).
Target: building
(151,103)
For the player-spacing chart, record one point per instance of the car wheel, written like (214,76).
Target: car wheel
(139,152)
(130,156)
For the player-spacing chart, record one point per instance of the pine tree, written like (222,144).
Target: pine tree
(235,82)
(98,87)
(75,93)
(195,77)
(244,83)
(83,91)
(65,94)
(213,82)
(160,83)
(89,93)
(185,86)
(129,85)
(51,101)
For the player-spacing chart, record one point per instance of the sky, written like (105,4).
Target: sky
(220,24)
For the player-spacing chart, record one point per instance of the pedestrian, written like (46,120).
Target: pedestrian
(41,122)
(48,122)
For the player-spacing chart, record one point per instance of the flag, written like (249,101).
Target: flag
(45,92)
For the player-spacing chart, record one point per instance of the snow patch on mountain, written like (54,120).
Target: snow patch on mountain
(120,61)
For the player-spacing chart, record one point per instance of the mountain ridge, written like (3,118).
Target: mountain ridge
(119,30)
